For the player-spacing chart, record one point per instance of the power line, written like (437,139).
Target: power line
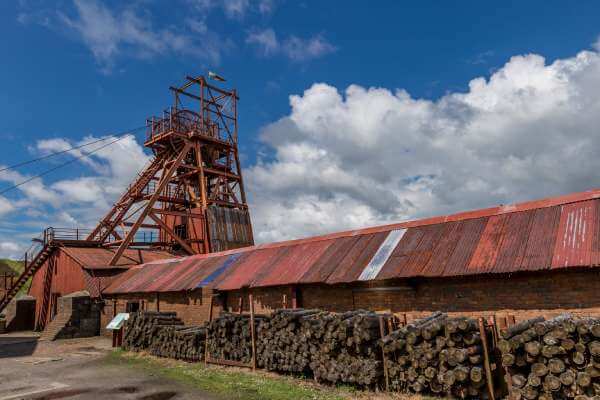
(62,165)
(69,149)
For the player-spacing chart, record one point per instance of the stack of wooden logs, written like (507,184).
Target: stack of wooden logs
(142,328)
(347,347)
(230,337)
(552,359)
(437,355)
(283,343)
(333,347)
(179,342)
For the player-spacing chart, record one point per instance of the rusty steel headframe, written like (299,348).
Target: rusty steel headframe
(192,191)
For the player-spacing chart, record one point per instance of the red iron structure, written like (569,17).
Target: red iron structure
(189,199)
(192,192)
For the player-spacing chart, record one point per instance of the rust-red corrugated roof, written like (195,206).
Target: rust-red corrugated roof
(99,258)
(559,232)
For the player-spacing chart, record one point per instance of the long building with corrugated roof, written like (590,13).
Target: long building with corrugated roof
(508,262)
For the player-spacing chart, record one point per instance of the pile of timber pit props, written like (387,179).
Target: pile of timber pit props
(333,347)
(142,328)
(230,339)
(179,342)
(346,347)
(283,342)
(552,359)
(441,356)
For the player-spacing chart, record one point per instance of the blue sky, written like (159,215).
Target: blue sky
(73,70)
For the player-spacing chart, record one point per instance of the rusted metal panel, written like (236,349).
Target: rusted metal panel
(166,278)
(396,266)
(486,252)
(290,268)
(98,258)
(420,255)
(230,228)
(514,241)
(96,281)
(148,275)
(461,256)
(354,262)
(329,260)
(575,234)
(447,243)
(524,239)
(542,239)
(596,236)
(246,270)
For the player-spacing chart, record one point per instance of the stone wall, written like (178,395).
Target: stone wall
(20,314)
(77,316)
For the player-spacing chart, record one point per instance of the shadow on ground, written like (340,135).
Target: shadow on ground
(15,346)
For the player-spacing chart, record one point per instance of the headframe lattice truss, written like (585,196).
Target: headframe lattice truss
(195,169)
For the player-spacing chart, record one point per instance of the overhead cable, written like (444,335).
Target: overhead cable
(63,164)
(14,166)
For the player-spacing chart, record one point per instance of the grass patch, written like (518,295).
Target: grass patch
(6,265)
(17,268)
(235,383)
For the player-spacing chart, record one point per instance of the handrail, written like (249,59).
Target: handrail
(185,121)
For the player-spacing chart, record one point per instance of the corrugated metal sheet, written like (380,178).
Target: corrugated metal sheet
(575,234)
(249,267)
(230,228)
(382,255)
(449,237)
(96,281)
(329,260)
(99,258)
(352,265)
(541,240)
(291,266)
(531,236)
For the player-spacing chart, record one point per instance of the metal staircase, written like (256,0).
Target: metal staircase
(107,225)
(38,254)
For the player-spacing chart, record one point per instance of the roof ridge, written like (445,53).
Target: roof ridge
(459,216)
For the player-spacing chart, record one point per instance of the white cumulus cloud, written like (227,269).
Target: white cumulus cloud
(11,250)
(5,206)
(373,155)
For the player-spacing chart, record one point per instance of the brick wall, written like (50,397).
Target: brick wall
(193,307)
(520,295)
(265,299)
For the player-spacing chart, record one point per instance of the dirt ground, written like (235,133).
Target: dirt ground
(74,369)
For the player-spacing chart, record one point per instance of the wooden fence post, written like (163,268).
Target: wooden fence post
(253,334)
(385,368)
(486,359)
(210,312)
